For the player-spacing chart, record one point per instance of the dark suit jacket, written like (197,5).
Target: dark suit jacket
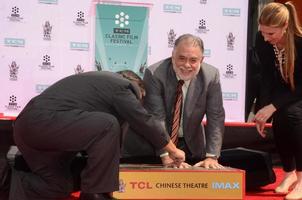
(204,97)
(272,88)
(95,92)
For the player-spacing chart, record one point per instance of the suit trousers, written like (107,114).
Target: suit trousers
(49,140)
(287,129)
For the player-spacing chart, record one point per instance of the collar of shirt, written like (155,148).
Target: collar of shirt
(186,83)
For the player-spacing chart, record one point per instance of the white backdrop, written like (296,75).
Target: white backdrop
(45,40)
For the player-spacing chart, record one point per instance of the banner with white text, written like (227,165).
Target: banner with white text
(121,38)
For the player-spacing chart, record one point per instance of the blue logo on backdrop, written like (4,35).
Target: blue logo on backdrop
(230,96)
(172,8)
(48,1)
(41,87)
(14,42)
(234,12)
(79,46)
(207,53)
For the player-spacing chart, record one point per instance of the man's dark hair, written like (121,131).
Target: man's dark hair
(132,76)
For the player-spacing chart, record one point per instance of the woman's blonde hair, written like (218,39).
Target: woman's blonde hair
(277,15)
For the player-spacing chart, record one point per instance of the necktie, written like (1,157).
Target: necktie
(177,112)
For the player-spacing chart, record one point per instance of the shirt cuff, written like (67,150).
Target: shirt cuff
(210,155)
(164,154)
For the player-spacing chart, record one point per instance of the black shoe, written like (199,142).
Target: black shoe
(95,196)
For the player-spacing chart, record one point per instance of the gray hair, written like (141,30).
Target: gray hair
(197,41)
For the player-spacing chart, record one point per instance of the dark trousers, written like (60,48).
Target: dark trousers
(189,158)
(287,128)
(49,140)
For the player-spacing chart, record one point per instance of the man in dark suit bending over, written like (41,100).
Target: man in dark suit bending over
(84,112)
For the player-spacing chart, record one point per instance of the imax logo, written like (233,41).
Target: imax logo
(14,42)
(79,46)
(172,8)
(230,96)
(235,12)
(48,1)
(225,186)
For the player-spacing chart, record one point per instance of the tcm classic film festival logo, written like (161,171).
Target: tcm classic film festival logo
(15,15)
(80,20)
(121,34)
(202,27)
(12,104)
(122,20)
(229,73)
(46,64)
(121,37)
